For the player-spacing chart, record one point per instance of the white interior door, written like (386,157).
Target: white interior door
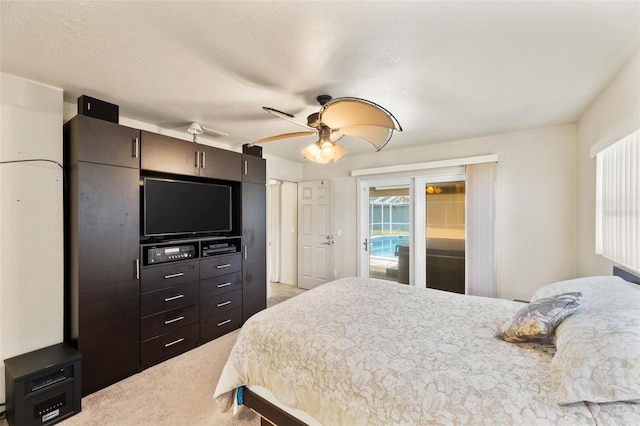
(315,238)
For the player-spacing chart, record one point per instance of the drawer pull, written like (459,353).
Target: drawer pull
(173,320)
(220,305)
(179,274)
(169,299)
(223,285)
(166,345)
(220,324)
(226,265)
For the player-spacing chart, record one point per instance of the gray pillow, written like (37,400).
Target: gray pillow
(539,319)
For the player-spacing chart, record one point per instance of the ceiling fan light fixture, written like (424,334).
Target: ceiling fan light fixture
(338,152)
(322,152)
(195,129)
(312,153)
(326,150)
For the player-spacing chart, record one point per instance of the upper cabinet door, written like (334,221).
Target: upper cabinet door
(170,155)
(219,163)
(103,142)
(254,169)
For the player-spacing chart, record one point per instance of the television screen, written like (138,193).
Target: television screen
(174,207)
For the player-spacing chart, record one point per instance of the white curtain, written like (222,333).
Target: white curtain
(618,201)
(481,262)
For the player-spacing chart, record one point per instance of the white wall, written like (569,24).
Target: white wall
(614,114)
(535,202)
(31,218)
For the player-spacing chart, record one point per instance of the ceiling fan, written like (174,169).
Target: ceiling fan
(196,129)
(339,117)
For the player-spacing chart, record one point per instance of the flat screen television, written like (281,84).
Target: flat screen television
(175,207)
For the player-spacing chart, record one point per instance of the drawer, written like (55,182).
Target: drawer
(169,298)
(218,304)
(216,326)
(169,345)
(169,275)
(164,322)
(215,286)
(220,265)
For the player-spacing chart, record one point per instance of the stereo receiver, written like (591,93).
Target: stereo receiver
(170,253)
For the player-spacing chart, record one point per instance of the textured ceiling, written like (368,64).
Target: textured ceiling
(447,70)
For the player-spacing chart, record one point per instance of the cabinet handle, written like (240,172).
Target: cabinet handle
(223,285)
(197,159)
(166,345)
(220,305)
(137,267)
(179,274)
(220,324)
(246,254)
(246,167)
(204,159)
(136,147)
(169,299)
(226,265)
(173,320)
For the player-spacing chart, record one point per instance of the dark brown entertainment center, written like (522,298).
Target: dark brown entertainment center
(133,300)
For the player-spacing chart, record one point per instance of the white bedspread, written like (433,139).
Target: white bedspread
(368,352)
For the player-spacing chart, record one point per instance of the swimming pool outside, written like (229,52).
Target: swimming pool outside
(385,245)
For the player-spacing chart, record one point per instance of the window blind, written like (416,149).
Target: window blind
(618,201)
(481,262)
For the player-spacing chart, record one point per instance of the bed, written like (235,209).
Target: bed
(369,352)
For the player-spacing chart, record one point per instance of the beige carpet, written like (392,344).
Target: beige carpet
(176,392)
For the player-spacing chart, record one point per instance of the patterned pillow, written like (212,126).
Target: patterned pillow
(602,293)
(538,320)
(597,358)
(597,355)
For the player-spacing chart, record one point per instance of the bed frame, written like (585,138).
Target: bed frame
(272,415)
(626,275)
(269,413)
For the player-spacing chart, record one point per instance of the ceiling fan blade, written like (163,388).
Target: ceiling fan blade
(376,135)
(214,132)
(345,112)
(283,136)
(285,116)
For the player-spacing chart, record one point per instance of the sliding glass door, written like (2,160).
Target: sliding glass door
(445,235)
(389,232)
(413,230)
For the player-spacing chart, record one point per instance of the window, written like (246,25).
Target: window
(618,202)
